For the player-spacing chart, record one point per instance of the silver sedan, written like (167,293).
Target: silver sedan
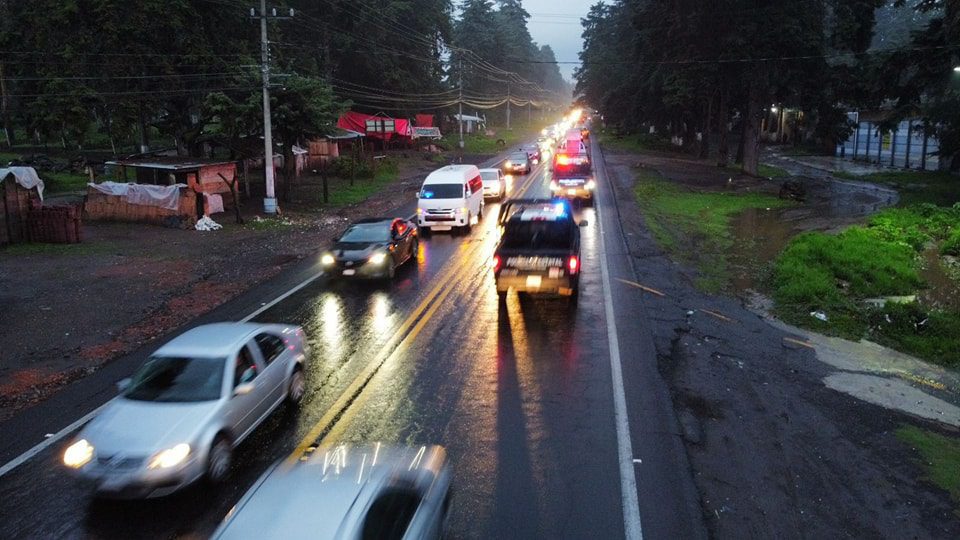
(347,492)
(183,412)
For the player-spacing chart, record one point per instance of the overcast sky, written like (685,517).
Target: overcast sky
(558,24)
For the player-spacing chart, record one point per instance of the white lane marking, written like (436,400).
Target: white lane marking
(26,456)
(282,297)
(628,479)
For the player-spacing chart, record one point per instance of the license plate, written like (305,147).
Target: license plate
(349,272)
(534,281)
(554,273)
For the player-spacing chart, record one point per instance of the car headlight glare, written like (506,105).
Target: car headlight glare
(378,258)
(591,185)
(170,457)
(78,454)
(327,259)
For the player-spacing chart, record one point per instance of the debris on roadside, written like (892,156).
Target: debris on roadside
(819,315)
(207,224)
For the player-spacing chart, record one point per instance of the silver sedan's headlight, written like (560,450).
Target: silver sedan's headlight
(78,454)
(378,258)
(327,259)
(170,457)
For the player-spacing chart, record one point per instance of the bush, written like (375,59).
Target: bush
(345,167)
(951,246)
(934,335)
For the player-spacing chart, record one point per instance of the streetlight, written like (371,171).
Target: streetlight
(956,69)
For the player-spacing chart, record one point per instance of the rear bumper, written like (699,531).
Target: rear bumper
(572,192)
(563,286)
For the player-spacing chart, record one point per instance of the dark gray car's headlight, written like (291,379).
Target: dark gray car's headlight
(378,258)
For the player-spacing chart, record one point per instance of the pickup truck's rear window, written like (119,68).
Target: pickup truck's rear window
(536,235)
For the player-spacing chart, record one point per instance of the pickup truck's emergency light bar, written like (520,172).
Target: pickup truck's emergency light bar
(544,208)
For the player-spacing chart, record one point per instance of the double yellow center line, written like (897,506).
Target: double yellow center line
(405,334)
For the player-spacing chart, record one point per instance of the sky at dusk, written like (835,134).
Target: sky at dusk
(557,23)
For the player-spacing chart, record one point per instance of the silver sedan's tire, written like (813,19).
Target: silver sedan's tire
(297,387)
(219,460)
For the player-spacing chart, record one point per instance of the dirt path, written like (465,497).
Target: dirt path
(776,452)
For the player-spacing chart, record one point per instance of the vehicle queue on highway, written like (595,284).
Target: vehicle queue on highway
(180,417)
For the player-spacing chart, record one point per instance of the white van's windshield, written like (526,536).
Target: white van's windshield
(442,191)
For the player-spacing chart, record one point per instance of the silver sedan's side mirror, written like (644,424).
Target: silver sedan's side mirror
(243,389)
(123,384)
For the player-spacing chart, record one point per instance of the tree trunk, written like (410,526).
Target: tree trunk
(723,145)
(705,131)
(142,124)
(751,134)
(4,111)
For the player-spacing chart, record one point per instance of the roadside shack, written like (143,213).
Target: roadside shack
(163,190)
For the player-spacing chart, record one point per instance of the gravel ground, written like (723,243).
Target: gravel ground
(775,453)
(67,310)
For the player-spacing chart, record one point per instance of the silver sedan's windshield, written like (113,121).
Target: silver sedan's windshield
(171,379)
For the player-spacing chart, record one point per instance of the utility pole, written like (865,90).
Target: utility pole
(508,106)
(270,200)
(460,103)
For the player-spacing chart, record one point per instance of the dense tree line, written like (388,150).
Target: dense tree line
(186,71)
(687,67)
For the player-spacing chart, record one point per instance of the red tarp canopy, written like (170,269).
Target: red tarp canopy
(424,120)
(381,127)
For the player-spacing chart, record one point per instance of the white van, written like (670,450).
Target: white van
(450,197)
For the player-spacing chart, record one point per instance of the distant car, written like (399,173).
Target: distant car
(518,162)
(185,410)
(347,492)
(494,183)
(572,177)
(372,248)
(533,152)
(539,250)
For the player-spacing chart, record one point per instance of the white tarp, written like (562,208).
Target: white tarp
(144,194)
(26,177)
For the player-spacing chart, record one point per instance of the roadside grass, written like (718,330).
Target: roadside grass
(60,182)
(481,144)
(940,457)
(836,273)
(268,224)
(638,143)
(915,187)
(53,182)
(678,217)
(343,194)
(763,170)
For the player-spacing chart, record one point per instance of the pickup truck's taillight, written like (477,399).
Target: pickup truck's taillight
(573,264)
(496,263)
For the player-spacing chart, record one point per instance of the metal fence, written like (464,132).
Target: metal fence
(907,146)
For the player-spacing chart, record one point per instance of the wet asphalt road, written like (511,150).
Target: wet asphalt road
(520,393)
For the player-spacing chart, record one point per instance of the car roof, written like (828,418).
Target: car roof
(212,340)
(539,214)
(457,173)
(327,494)
(491,170)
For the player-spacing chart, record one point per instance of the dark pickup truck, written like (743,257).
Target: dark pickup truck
(539,248)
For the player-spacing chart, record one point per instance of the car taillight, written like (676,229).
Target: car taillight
(496,263)
(573,263)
